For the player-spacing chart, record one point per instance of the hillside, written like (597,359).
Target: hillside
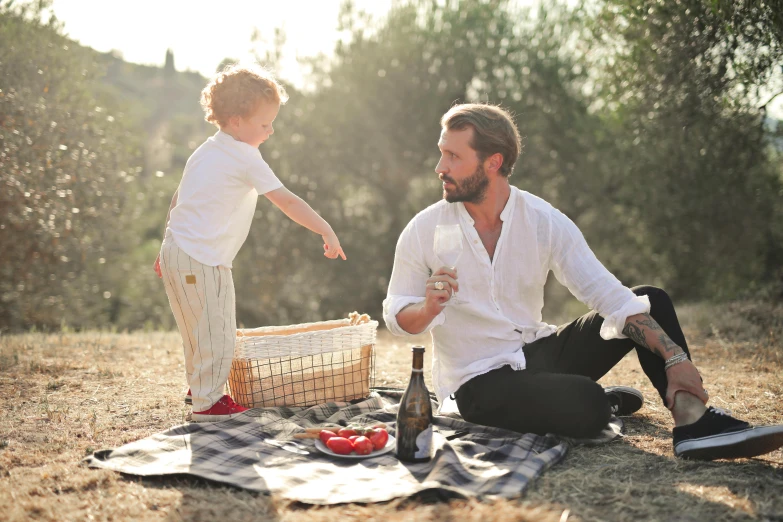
(167,102)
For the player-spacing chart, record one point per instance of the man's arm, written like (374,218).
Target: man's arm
(576,267)
(647,333)
(413,303)
(415,318)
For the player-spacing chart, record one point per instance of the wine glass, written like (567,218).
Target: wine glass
(448,246)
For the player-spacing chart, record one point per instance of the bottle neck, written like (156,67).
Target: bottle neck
(418,362)
(417,371)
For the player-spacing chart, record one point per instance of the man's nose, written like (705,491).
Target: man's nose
(271,130)
(440,168)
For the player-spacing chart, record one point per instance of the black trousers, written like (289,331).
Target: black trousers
(557,392)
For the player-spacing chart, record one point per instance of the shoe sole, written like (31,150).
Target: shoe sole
(201,417)
(750,442)
(633,400)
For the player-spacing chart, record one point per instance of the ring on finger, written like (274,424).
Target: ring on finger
(439,285)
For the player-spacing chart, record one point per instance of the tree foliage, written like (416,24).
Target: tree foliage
(680,83)
(67,156)
(642,120)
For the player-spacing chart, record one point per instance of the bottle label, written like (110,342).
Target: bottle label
(424,444)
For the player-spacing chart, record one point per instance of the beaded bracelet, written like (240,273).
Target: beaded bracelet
(675,359)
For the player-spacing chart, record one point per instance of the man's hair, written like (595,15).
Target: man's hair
(494,131)
(238,90)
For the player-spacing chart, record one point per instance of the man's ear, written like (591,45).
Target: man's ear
(494,162)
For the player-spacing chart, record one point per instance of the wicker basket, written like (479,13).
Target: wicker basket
(304,364)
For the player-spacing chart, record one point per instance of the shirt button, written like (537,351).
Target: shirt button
(475,241)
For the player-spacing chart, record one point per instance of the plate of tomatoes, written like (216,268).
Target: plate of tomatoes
(355,443)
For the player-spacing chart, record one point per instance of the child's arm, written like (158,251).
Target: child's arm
(300,212)
(156,266)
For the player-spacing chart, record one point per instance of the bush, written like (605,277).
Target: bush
(68,157)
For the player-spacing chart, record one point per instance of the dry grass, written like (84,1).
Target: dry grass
(67,395)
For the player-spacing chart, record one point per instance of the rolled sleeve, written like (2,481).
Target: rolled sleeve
(392,306)
(407,284)
(613,325)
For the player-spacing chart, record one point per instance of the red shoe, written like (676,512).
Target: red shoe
(188,398)
(223,409)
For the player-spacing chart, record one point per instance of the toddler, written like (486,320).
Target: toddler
(209,220)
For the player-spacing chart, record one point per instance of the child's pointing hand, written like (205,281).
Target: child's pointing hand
(332,248)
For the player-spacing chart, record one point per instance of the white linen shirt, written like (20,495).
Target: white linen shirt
(217,199)
(499,303)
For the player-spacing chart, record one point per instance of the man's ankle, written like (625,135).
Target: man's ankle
(687,408)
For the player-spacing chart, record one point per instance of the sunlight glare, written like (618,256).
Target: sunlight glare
(201,34)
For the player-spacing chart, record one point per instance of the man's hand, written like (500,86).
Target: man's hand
(684,377)
(332,248)
(156,266)
(435,299)
(415,318)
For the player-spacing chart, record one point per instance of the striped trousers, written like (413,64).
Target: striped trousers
(204,305)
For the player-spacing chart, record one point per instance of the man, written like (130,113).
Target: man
(492,352)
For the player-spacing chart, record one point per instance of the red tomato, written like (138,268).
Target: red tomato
(353,438)
(346,432)
(339,445)
(325,435)
(379,439)
(369,432)
(362,445)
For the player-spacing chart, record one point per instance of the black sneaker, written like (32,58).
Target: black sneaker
(624,400)
(718,435)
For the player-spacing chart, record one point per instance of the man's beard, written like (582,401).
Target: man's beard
(472,189)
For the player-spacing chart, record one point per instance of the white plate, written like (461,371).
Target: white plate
(320,446)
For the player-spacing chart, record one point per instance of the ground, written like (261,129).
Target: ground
(69,394)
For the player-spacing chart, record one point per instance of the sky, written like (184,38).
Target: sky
(201,33)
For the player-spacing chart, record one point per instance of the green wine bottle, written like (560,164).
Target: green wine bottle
(414,418)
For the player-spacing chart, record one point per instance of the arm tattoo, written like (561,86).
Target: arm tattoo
(635,330)
(649,322)
(636,335)
(668,347)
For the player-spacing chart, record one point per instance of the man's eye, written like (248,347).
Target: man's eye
(453,156)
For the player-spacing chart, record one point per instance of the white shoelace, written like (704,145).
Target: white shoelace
(721,411)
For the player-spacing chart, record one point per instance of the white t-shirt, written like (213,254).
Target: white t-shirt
(499,303)
(217,199)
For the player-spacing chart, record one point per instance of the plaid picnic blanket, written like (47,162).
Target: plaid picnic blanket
(252,451)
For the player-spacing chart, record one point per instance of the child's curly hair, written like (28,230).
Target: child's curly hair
(237,91)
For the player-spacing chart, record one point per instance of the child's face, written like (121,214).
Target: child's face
(256,128)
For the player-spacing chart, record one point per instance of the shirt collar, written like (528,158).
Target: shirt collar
(463,213)
(224,137)
(505,215)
